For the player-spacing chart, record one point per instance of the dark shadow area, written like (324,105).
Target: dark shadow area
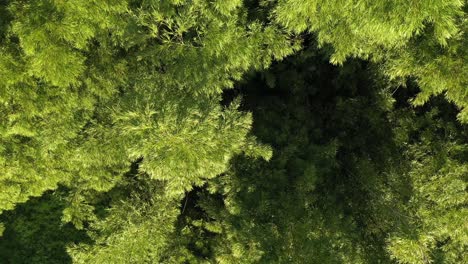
(35,234)
(5,18)
(332,142)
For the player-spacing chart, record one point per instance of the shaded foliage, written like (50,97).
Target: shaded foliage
(192,131)
(34,232)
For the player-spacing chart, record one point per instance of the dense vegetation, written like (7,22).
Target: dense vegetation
(215,131)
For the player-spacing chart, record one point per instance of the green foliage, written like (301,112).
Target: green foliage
(34,232)
(362,28)
(438,70)
(309,203)
(135,228)
(73,75)
(437,213)
(425,40)
(178,135)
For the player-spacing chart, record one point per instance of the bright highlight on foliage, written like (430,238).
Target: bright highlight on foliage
(216,131)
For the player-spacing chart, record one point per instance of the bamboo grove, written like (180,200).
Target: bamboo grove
(233,131)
